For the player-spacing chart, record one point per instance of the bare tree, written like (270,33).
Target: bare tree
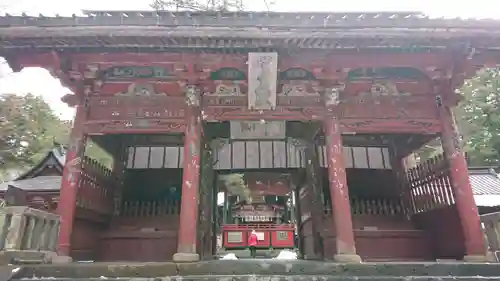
(205,5)
(198,5)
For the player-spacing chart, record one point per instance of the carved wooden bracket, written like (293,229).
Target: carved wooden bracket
(71,100)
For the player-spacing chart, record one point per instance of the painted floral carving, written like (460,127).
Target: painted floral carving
(73,167)
(332,95)
(228,90)
(290,90)
(143,90)
(384,88)
(192,96)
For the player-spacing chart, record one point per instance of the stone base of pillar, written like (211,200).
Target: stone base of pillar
(346,258)
(26,256)
(186,257)
(476,258)
(61,259)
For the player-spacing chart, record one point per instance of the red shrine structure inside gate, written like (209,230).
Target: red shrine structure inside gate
(333,102)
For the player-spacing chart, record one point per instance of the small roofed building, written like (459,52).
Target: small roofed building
(485,183)
(41,184)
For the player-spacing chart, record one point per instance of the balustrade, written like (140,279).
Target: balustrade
(381,207)
(96,188)
(427,186)
(150,208)
(491,228)
(27,229)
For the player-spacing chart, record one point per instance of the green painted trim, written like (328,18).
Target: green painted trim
(392,73)
(296,73)
(228,73)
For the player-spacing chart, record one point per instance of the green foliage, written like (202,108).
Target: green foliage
(28,127)
(94,151)
(479,117)
(28,130)
(430,150)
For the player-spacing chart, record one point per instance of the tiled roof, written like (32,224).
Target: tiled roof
(42,183)
(247,19)
(55,157)
(218,30)
(31,180)
(484,181)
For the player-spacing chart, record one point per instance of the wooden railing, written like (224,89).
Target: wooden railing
(24,228)
(427,186)
(491,229)
(382,207)
(97,187)
(150,208)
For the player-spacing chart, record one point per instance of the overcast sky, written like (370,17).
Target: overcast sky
(39,81)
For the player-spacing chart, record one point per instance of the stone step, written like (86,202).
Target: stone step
(7,272)
(275,278)
(260,267)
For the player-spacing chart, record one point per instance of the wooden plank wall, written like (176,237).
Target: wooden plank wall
(155,157)
(360,157)
(256,154)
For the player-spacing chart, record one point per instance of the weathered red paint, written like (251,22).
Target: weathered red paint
(188,221)
(459,174)
(70,182)
(344,236)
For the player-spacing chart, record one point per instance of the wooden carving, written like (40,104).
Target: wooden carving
(137,72)
(293,90)
(280,113)
(135,126)
(227,90)
(192,96)
(143,90)
(383,89)
(332,95)
(374,125)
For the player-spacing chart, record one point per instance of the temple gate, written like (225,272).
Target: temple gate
(337,115)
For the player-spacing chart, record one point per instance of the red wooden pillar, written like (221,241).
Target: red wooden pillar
(188,224)
(459,175)
(70,181)
(341,208)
